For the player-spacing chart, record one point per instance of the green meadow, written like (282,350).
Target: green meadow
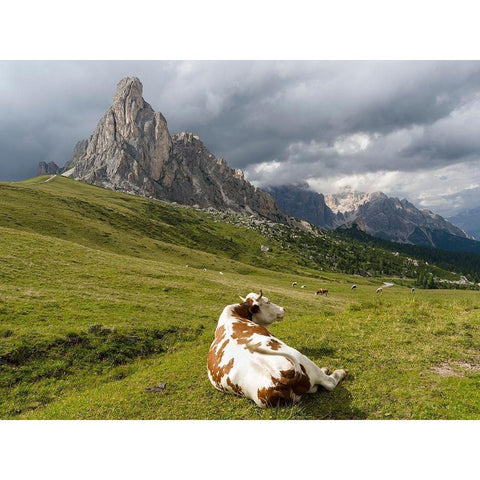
(103,295)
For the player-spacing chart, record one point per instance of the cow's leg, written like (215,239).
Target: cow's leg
(329,382)
(322,376)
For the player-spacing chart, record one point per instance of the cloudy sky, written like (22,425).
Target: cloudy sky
(408,128)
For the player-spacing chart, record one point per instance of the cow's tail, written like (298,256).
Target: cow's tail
(259,348)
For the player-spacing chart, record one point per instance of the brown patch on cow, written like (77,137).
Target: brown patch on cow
(215,355)
(281,393)
(237,389)
(274,344)
(242,331)
(245,310)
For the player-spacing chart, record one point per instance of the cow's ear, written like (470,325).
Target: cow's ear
(254,309)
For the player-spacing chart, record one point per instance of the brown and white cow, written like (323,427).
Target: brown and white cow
(321,291)
(245,359)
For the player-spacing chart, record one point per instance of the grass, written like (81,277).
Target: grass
(97,304)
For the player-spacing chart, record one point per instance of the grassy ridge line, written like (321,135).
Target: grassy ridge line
(136,226)
(129,224)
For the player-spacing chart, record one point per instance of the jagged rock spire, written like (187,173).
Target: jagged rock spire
(131,150)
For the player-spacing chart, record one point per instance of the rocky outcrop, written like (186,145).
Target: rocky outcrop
(301,202)
(131,150)
(45,168)
(129,147)
(195,177)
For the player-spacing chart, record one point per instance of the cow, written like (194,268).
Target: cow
(412,290)
(303,286)
(246,360)
(353,287)
(379,290)
(321,291)
(294,284)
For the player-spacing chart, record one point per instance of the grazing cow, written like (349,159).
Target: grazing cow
(379,290)
(303,286)
(245,359)
(321,291)
(294,284)
(412,290)
(353,287)
(221,273)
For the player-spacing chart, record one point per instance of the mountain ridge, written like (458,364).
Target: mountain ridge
(131,150)
(381,216)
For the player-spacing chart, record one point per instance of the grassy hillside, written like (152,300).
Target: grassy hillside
(97,304)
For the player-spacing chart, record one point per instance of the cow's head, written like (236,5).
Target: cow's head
(262,310)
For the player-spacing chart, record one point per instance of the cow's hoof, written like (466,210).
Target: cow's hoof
(339,374)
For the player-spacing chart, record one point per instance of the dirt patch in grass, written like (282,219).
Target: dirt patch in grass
(455,369)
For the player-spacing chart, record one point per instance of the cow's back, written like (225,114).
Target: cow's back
(267,379)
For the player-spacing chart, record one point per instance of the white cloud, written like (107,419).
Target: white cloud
(351,144)
(267,167)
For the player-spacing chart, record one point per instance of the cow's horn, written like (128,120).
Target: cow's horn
(260,296)
(242,299)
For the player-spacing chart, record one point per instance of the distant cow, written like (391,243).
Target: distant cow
(294,284)
(303,286)
(245,359)
(379,290)
(353,287)
(412,290)
(321,291)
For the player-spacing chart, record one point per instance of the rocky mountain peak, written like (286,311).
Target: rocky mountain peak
(347,200)
(129,87)
(131,150)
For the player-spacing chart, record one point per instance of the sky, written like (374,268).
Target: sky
(408,128)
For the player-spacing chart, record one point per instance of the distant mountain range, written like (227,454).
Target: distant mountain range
(376,214)
(301,202)
(468,220)
(131,150)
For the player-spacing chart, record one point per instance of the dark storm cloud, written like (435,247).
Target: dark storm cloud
(297,119)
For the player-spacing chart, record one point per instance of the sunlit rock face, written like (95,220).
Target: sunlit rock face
(132,150)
